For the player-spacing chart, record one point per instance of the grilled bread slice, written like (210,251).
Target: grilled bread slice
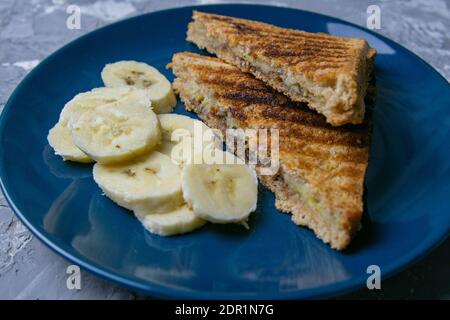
(327,72)
(322,168)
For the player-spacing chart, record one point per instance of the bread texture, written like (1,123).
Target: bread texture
(321,168)
(329,73)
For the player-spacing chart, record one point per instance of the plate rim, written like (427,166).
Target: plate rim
(156,290)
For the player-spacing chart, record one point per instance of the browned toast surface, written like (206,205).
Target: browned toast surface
(322,167)
(329,73)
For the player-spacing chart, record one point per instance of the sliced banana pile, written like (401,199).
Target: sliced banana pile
(167,168)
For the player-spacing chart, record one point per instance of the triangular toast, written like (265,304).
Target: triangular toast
(329,73)
(322,168)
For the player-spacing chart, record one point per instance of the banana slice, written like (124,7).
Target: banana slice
(176,126)
(151,183)
(117,131)
(179,221)
(184,138)
(180,152)
(142,76)
(60,140)
(89,100)
(220,192)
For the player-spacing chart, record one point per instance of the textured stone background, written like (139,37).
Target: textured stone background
(31,30)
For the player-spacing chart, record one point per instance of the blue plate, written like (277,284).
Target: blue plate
(407,182)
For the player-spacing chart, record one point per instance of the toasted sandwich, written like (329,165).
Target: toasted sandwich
(329,73)
(321,167)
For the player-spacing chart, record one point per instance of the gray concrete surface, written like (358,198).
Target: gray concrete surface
(31,30)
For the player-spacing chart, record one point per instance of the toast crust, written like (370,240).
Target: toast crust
(322,167)
(327,72)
